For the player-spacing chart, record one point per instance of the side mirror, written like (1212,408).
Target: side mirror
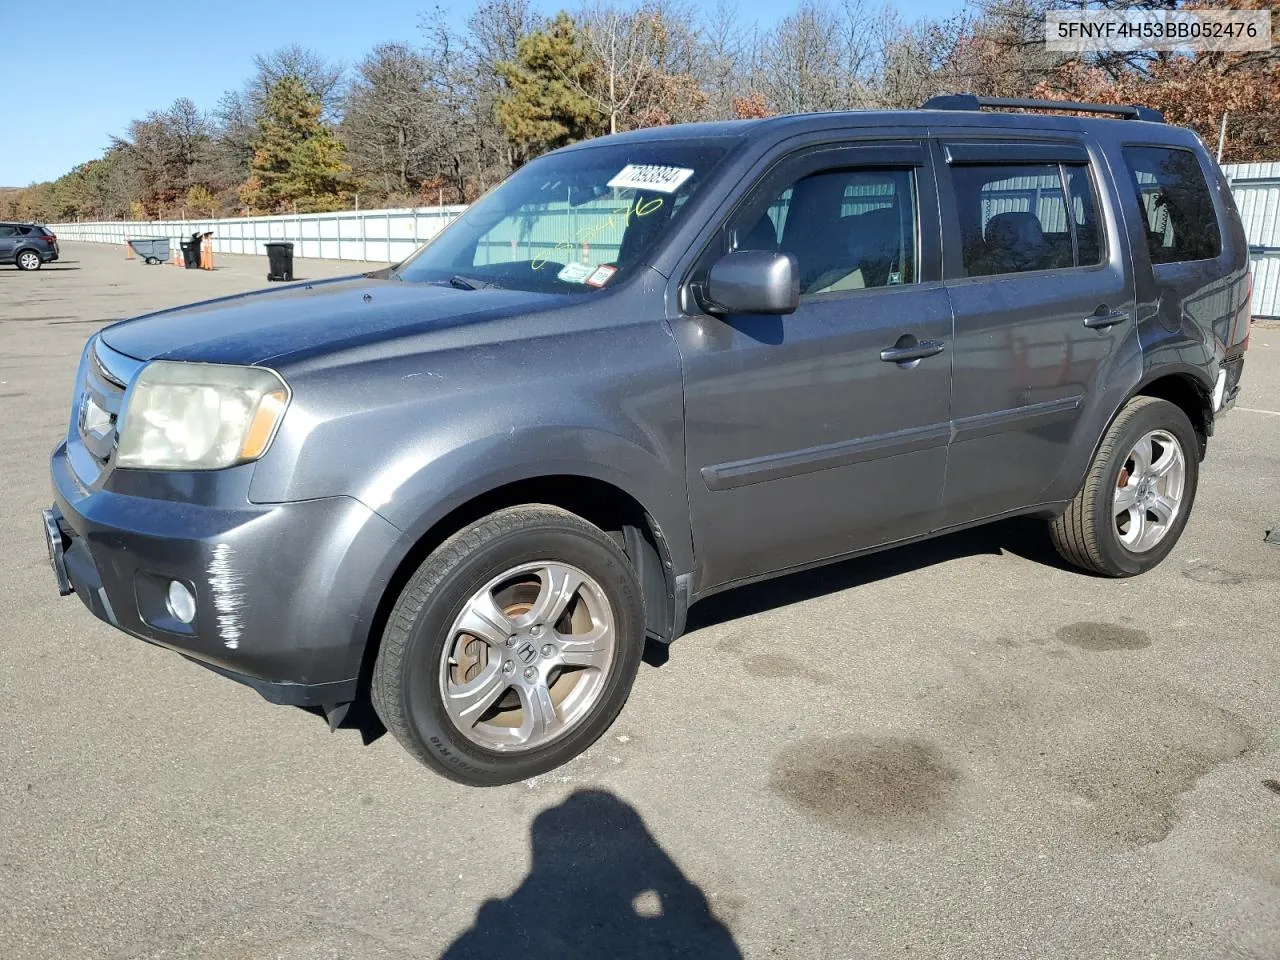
(753,281)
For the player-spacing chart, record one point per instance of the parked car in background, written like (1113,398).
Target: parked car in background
(27,245)
(645,369)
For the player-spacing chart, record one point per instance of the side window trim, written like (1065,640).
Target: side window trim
(984,152)
(1072,228)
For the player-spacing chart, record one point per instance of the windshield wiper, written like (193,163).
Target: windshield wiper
(471,283)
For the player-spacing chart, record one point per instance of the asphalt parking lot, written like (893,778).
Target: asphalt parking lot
(959,749)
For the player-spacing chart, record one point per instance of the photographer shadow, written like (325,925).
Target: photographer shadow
(599,886)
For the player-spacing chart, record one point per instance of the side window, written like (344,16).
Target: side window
(849,229)
(24,231)
(1181,222)
(1012,218)
(1017,218)
(7,230)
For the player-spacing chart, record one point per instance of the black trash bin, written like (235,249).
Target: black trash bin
(190,254)
(280,261)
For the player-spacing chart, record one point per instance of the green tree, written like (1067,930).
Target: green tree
(297,160)
(544,107)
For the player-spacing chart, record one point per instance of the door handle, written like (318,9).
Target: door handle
(1098,321)
(912,350)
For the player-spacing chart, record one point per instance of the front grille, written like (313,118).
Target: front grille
(99,400)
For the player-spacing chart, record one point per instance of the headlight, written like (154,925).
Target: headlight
(199,416)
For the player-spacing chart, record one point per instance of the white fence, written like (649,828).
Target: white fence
(375,235)
(1256,187)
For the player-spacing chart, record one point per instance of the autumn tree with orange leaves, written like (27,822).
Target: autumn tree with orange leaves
(1194,91)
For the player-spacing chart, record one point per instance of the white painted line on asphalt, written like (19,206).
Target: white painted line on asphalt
(1270,413)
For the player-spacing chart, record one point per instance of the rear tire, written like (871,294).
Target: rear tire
(1138,494)
(512,648)
(28,260)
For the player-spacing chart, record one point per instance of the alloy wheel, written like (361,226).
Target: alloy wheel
(528,657)
(1149,491)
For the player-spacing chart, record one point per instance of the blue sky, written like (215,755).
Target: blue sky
(97,64)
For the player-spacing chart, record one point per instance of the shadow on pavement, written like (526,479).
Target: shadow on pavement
(1023,536)
(599,887)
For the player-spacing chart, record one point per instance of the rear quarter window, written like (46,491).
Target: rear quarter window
(1180,220)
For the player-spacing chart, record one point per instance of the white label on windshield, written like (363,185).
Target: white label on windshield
(650,176)
(575,273)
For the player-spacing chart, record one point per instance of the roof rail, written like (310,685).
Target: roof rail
(967,101)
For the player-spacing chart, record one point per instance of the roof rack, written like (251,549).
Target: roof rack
(967,101)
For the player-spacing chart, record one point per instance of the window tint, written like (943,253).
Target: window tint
(1181,222)
(7,231)
(848,229)
(24,231)
(1013,218)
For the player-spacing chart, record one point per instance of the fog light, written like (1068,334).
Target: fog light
(181,602)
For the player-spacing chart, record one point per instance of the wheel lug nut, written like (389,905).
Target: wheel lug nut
(548,649)
(511,641)
(530,674)
(537,630)
(508,667)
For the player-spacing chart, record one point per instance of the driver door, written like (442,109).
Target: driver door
(805,438)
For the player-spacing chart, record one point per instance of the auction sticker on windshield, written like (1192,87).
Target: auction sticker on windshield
(650,176)
(574,273)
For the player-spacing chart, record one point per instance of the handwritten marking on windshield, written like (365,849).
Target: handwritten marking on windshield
(589,233)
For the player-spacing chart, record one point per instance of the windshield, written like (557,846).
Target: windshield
(571,222)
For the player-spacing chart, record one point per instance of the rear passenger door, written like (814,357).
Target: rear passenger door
(8,241)
(1041,287)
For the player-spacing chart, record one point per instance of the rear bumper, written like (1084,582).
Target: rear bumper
(286,594)
(1229,373)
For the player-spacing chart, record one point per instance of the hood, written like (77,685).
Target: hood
(308,319)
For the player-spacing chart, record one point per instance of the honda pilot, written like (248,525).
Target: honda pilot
(645,369)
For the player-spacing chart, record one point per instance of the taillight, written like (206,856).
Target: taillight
(1248,310)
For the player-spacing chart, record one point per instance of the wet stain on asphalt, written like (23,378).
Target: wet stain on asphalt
(1109,755)
(868,784)
(774,666)
(1216,574)
(1103,637)
(1131,798)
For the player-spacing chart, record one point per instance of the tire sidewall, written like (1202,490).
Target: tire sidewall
(19,260)
(1157,416)
(418,682)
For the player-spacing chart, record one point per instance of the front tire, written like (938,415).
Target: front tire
(28,260)
(1138,494)
(512,648)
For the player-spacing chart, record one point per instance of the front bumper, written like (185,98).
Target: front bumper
(286,594)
